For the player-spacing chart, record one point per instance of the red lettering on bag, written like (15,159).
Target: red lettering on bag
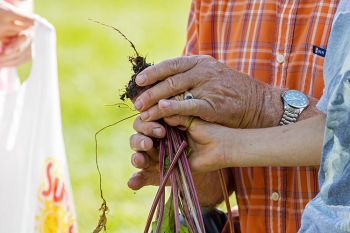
(53,189)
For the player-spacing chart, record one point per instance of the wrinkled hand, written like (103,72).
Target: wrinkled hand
(15,42)
(221,95)
(146,159)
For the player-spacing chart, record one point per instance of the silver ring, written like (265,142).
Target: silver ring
(188,95)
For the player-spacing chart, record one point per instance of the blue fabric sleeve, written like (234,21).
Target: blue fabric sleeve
(322,104)
(335,57)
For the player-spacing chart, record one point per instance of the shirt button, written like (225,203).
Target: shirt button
(280,58)
(275,196)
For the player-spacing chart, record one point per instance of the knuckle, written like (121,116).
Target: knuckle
(136,139)
(205,57)
(192,104)
(181,107)
(148,130)
(163,112)
(155,114)
(171,83)
(194,107)
(151,71)
(174,65)
(178,97)
(149,94)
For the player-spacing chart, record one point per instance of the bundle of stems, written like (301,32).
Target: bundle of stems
(172,150)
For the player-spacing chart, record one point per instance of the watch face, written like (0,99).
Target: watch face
(296,99)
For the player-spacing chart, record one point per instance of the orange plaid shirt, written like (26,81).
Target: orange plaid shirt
(272,41)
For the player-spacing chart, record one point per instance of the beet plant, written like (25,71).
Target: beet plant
(179,212)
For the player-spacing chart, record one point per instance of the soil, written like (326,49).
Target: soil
(132,90)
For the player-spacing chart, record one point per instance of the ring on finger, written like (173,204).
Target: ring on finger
(189,122)
(188,95)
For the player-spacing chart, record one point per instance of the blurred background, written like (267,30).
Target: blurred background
(93,69)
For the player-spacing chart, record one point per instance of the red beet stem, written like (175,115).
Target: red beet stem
(177,138)
(227,200)
(160,213)
(185,208)
(162,185)
(174,190)
(173,137)
(175,202)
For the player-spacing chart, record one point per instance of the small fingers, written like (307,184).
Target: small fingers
(14,28)
(143,161)
(152,129)
(140,160)
(19,60)
(17,52)
(18,44)
(143,178)
(22,22)
(139,142)
(142,143)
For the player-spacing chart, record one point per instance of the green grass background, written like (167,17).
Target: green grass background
(93,68)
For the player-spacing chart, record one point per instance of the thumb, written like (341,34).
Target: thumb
(188,123)
(183,122)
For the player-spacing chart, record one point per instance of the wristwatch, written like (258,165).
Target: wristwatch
(294,102)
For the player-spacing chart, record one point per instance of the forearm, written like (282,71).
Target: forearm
(298,144)
(264,107)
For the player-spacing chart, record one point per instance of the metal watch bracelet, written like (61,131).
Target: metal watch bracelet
(290,115)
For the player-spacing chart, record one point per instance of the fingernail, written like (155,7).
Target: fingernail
(138,104)
(143,144)
(144,116)
(140,79)
(182,128)
(164,103)
(135,175)
(157,132)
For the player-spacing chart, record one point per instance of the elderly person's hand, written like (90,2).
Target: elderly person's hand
(15,43)
(146,159)
(220,94)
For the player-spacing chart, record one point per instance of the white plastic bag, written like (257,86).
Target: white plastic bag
(35,193)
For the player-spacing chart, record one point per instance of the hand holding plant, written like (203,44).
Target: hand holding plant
(220,94)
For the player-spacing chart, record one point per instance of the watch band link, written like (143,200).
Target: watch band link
(289,116)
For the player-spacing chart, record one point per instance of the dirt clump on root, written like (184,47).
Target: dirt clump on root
(132,90)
